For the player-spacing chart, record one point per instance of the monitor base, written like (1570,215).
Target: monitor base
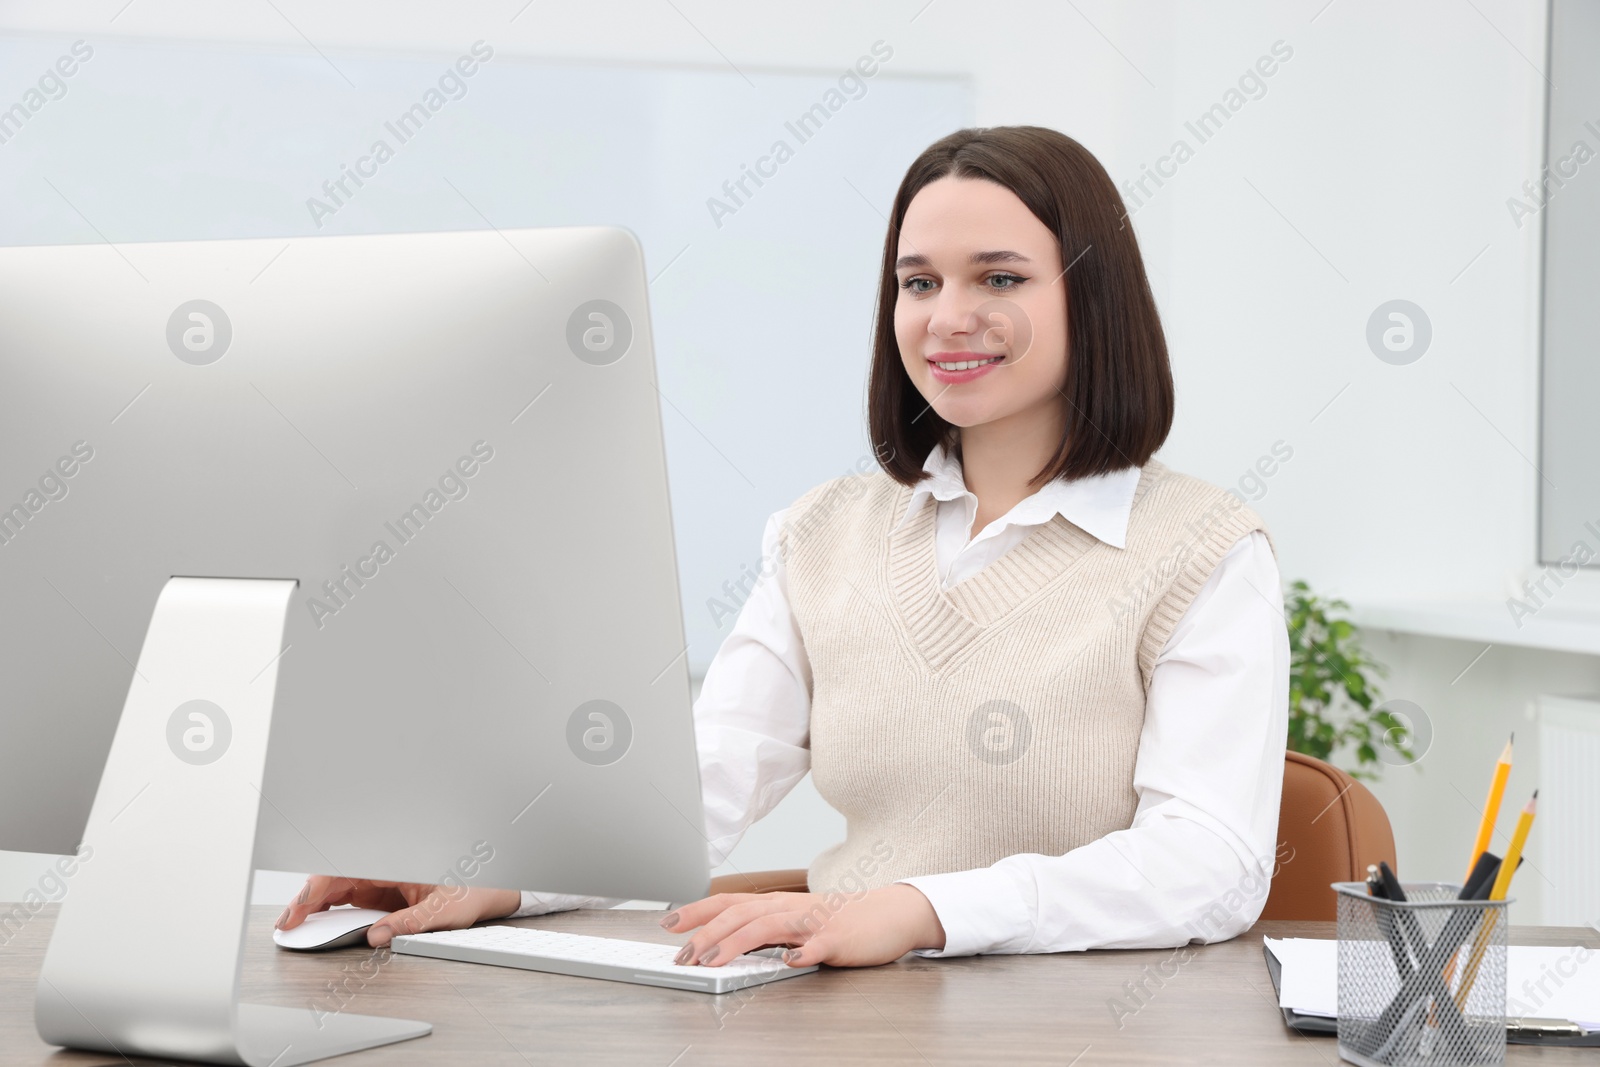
(145,955)
(284,1037)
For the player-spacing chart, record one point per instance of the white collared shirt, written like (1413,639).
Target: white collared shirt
(1195,862)
(1098,505)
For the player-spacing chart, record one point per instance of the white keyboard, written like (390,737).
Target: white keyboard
(594,957)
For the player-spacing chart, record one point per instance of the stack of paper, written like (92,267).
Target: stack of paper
(1542,982)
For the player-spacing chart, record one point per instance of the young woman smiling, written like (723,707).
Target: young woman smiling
(1043,675)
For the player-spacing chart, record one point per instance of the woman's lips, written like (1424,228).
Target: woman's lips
(978,365)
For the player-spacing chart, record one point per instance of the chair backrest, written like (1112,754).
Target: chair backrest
(1330,827)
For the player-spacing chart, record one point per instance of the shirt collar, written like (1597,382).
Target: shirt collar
(1098,504)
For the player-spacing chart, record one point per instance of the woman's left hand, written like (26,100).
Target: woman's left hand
(843,930)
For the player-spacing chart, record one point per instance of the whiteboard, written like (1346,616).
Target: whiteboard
(762,299)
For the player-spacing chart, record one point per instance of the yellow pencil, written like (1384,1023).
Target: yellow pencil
(1491,808)
(1519,837)
(1502,882)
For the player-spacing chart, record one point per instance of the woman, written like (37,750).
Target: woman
(1043,676)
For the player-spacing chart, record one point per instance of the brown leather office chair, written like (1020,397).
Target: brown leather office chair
(1330,827)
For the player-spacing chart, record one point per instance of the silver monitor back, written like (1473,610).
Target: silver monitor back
(452,442)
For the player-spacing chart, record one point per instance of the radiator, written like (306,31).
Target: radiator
(1568,823)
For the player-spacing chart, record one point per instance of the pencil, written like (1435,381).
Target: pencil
(1491,807)
(1502,882)
(1476,888)
(1519,838)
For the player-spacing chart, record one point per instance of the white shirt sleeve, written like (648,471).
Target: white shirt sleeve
(752,721)
(753,717)
(1197,861)
(545,903)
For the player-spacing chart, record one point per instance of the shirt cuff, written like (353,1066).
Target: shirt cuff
(982,910)
(545,903)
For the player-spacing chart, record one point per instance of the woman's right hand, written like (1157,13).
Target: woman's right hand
(415,907)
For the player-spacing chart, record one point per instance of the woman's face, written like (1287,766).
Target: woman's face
(981,292)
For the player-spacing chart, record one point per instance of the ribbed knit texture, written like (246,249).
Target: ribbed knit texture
(953,728)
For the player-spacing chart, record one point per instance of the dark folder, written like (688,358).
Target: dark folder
(1515,1035)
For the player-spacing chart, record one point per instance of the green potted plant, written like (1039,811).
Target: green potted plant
(1332,692)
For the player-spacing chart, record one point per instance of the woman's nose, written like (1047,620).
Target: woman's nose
(953,316)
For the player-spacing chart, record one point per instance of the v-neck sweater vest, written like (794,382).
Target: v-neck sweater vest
(953,728)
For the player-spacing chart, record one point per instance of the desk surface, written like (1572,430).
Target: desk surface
(1054,1009)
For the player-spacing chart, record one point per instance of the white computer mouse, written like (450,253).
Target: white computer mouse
(335,928)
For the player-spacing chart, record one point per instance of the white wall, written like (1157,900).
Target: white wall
(1375,166)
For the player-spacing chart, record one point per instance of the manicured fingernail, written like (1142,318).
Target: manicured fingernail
(683,954)
(383,934)
(670,920)
(279,924)
(711,954)
(791,955)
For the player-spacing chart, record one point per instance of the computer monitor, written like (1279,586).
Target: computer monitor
(348,555)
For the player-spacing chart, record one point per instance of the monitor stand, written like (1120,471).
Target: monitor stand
(145,955)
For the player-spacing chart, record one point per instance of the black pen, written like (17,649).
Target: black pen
(1376,887)
(1428,980)
(1483,872)
(1408,922)
(1391,884)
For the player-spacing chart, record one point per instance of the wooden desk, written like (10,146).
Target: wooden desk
(1012,1010)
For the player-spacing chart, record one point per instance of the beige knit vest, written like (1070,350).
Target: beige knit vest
(953,728)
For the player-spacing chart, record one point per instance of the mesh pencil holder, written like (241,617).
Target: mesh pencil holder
(1421,981)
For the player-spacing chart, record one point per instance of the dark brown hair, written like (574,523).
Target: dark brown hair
(1118,393)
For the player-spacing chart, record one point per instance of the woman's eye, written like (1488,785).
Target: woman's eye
(922,284)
